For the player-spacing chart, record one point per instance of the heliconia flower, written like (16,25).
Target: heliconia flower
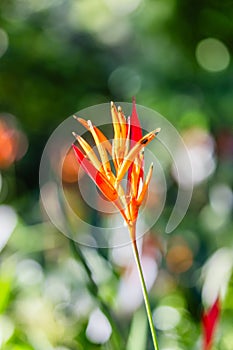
(126,159)
(209,323)
(127,154)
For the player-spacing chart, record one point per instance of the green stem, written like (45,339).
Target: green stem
(132,230)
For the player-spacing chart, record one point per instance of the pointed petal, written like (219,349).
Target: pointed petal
(103,139)
(141,195)
(115,121)
(136,130)
(135,134)
(100,180)
(123,125)
(141,157)
(89,152)
(123,133)
(134,152)
(86,165)
(106,187)
(117,135)
(127,141)
(102,150)
(135,174)
(133,210)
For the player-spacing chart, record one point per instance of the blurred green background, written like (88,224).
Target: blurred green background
(57,57)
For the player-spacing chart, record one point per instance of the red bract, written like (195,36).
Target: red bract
(135,136)
(101,182)
(209,323)
(136,130)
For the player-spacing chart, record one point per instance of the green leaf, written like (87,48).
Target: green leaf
(5,288)
(138,331)
(21,347)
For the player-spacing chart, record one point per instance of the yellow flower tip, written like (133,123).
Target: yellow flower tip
(78,137)
(156,131)
(74,134)
(144,187)
(119,109)
(75,117)
(149,175)
(147,138)
(151,167)
(112,104)
(90,124)
(82,121)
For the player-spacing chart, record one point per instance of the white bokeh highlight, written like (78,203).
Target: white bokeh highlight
(8,220)
(216,274)
(166,317)
(98,329)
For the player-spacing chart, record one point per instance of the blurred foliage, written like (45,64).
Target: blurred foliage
(57,57)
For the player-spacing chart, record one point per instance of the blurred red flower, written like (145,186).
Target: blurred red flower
(209,323)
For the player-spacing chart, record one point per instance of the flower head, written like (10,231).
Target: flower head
(127,154)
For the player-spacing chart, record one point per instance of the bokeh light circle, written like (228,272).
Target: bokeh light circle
(132,81)
(79,210)
(122,7)
(212,55)
(4,42)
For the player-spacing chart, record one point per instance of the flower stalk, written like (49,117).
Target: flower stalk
(132,230)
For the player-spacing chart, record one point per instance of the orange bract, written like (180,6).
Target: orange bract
(127,155)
